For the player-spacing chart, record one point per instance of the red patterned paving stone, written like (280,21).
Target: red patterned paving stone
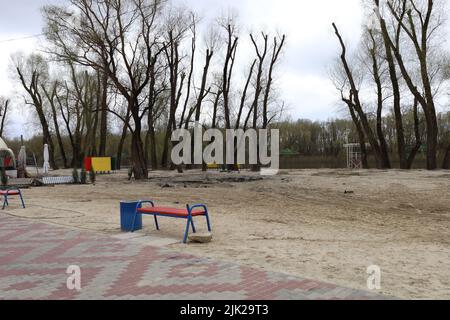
(21,286)
(123,270)
(9,255)
(8,234)
(190,271)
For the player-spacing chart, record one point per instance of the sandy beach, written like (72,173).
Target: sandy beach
(327,225)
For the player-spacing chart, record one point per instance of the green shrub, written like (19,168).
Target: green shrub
(76,176)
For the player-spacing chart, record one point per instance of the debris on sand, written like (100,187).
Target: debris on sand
(202,181)
(167,185)
(201,238)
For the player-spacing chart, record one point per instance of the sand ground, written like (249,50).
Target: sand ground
(327,225)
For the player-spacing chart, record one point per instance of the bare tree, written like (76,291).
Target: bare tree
(378,77)
(417,22)
(261,54)
(4,104)
(191,72)
(175,34)
(276,50)
(230,56)
(382,161)
(244,95)
(51,97)
(156,106)
(117,38)
(32,73)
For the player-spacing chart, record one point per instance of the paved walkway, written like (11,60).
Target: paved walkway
(34,258)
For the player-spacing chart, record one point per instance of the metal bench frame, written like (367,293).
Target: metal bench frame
(189,217)
(7,194)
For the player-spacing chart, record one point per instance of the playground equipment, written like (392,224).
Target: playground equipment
(354,156)
(100,165)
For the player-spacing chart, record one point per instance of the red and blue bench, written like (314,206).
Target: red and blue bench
(191,212)
(6,194)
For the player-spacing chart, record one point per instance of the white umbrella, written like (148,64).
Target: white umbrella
(46,159)
(22,162)
(23,158)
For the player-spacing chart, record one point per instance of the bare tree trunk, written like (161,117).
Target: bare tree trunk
(275,55)
(188,89)
(244,95)
(123,137)
(104,116)
(153,147)
(258,89)
(380,99)
(51,99)
(232,42)
(401,147)
(93,151)
(99,109)
(4,113)
(216,108)
(137,146)
(446,163)
(418,145)
(67,118)
(173,61)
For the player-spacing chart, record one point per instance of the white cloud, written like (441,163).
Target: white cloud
(311,44)
(19,115)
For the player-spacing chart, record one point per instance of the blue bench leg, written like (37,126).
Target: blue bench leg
(21,199)
(193,226)
(186,234)
(134,222)
(5,202)
(208,222)
(156,223)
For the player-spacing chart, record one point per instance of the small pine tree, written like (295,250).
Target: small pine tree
(83,176)
(92,175)
(4,177)
(76,176)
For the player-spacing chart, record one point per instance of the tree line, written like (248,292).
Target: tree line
(139,69)
(117,77)
(327,139)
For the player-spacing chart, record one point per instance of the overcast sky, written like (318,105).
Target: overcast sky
(311,45)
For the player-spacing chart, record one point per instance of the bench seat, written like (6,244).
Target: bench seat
(171,211)
(9,193)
